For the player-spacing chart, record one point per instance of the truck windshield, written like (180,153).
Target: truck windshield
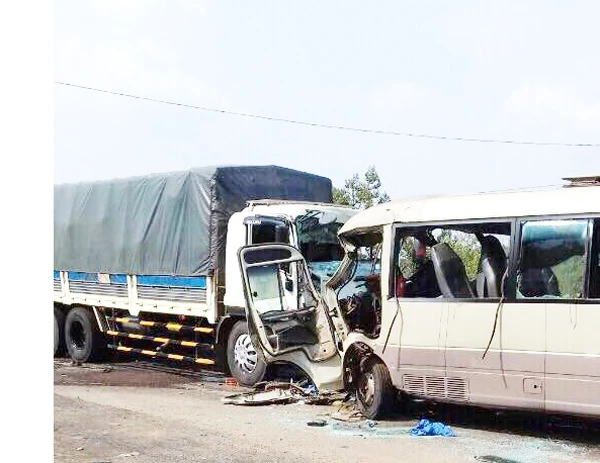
(318,241)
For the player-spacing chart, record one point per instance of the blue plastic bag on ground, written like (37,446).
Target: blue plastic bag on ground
(428,428)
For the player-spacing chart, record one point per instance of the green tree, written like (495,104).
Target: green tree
(361,193)
(466,246)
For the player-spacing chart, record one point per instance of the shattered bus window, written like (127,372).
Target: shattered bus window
(318,242)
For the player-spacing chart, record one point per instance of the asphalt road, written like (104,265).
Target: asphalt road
(127,412)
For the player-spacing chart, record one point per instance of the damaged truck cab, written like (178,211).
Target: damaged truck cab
(331,335)
(325,332)
(310,230)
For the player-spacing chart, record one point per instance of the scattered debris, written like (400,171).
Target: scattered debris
(317,423)
(348,416)
(431,428)
(230,382)
(310,389)
(275,396)
(269,393)
(371,423)
(132,454)
(361,429)
(494,459)
(346,411)
(324,398)
(79,448)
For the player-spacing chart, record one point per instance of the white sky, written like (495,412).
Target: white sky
(504,70)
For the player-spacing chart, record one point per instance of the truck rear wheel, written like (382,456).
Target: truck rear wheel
(59,330)
(246,363)
(83,338)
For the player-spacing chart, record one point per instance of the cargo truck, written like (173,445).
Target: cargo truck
(149,265)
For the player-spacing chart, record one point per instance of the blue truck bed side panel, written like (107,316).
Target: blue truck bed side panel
(142,280)
(183,282)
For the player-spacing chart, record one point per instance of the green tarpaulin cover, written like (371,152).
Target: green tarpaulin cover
(165,224)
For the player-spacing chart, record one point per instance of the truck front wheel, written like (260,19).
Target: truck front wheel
(83,338)
(246,363)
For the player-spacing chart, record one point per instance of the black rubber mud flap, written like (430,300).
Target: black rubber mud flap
(59,332)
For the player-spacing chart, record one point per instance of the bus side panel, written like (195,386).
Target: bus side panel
(415,340)
(511,373)
(573,358)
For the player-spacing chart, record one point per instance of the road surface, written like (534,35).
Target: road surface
(126,413)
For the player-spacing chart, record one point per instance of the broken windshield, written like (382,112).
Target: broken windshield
(318,241)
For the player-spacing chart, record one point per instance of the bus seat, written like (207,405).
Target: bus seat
(492,266)
(537,282)
(450,272)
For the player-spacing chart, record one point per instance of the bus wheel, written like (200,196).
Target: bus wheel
(83,338)
(59,329)
(246,363)
(374,391)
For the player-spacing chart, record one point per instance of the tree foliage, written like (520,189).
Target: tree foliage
(466,246)
(361,193)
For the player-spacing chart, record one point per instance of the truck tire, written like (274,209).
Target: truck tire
(59,332)
(83,338)
(246,364)
(375,394)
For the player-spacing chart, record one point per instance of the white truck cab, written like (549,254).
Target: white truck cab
(311,229)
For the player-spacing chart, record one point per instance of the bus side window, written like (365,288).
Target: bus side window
(415,275)
(466,260)
(552,258)
(594,285)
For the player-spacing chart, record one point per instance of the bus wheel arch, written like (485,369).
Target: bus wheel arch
(355,356)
